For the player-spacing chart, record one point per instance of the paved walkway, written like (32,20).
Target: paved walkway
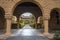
(27,33)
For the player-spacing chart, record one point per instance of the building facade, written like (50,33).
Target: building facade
(48,7)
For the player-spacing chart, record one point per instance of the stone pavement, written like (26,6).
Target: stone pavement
(3,37)
(27,33)
(27,38)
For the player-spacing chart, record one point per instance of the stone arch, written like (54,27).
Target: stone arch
(40,22)
(22,1)
(2,19)
(32,5)
(14,21)
(54,21)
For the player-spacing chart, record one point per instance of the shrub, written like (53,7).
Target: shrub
(57,35)
(22,23)
(31,24)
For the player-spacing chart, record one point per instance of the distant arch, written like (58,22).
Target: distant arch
(2,19)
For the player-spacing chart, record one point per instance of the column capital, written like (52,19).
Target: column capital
(8,16)
(46,18)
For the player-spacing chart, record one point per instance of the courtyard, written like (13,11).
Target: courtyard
(30,19)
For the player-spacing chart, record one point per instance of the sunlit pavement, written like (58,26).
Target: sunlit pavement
(27,33)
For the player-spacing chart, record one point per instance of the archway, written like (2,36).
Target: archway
(54,22)
(27,7)
(27,18)
(14,22)
(2,21)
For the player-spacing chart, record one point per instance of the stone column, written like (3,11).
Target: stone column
(46,29)
(8,24)
(46,17)
(36,23)
(18,23)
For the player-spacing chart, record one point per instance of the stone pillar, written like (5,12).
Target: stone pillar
(46,29)
(46,17)
(18,23)
(8,24)
(36,23)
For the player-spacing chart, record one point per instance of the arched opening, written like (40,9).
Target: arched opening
(40,22)
(14,22)
(27,7)
(27,18)
(54,22)
(2,21)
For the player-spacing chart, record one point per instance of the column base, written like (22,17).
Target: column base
(7,34)
(46,34)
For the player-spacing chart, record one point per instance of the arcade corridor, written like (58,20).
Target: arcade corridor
(43,24)
(28,33)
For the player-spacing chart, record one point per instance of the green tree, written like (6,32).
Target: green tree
(31,16)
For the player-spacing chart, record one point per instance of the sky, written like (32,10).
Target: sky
(26,14)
